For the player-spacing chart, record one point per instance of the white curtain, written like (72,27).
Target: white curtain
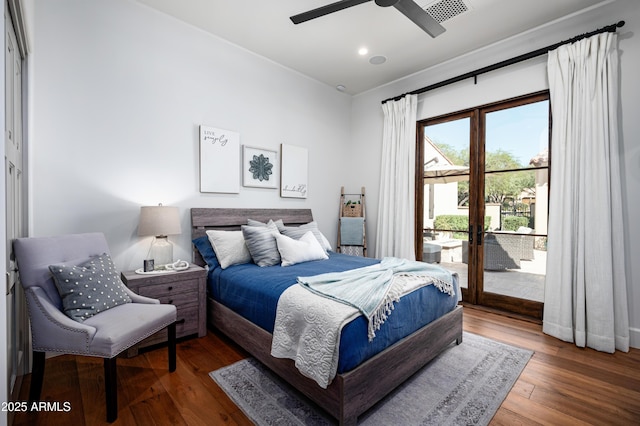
(396,206)
(586,287)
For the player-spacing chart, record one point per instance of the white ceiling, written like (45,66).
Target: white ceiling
(326,48)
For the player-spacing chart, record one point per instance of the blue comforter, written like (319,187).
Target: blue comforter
(253,292)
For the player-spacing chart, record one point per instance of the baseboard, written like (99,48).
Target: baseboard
(634,337)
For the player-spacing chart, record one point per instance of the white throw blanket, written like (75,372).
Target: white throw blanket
(370,288)
(307,330)
(308,327)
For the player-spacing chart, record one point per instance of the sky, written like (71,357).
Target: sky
(522,131)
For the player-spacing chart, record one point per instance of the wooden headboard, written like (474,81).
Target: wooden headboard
(203,219)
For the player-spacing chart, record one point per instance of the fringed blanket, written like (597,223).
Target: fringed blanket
(308,324)
(370,289)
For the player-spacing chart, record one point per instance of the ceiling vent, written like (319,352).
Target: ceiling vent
(444,10)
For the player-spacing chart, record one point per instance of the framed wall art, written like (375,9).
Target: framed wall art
(259,167)
(219,160)
(293,171)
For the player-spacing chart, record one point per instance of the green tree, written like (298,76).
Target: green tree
(502,187)
(499,188)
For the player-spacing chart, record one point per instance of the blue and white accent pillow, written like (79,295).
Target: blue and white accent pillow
(89,288)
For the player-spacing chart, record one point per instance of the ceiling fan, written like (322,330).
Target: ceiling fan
(407,7)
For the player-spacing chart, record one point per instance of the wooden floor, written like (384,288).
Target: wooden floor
(561,385)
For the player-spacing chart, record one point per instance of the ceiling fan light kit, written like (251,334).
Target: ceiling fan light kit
(408,8)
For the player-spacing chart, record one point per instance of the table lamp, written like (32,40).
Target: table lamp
(159,221)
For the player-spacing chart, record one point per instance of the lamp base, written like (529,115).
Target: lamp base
(161,251)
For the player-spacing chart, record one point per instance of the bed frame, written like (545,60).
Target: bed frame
(349,394)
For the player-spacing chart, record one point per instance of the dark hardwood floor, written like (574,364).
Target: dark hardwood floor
(561,384)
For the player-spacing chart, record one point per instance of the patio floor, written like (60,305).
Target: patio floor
(526,282)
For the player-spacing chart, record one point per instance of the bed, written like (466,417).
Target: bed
(354,389)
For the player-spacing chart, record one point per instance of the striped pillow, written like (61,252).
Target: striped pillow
(261,242)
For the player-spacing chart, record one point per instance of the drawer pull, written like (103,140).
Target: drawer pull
(181,321)
(170,302)
(170,287)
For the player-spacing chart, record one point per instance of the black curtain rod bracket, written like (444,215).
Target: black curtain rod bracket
(608,29)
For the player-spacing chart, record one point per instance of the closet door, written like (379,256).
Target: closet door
(18,339)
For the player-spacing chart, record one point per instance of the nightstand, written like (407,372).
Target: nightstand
(185,289)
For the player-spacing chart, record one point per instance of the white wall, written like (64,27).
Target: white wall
(119,92)
(523,78)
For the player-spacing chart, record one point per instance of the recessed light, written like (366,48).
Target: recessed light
(363,51)
(377,60)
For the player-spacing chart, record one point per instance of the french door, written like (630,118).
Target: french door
(482,200)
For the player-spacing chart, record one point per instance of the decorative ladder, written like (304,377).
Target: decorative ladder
(352,238)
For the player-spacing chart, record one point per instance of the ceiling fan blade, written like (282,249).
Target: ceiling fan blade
(419,17)
(325,10)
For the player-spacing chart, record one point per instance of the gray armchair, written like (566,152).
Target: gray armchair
(105,334)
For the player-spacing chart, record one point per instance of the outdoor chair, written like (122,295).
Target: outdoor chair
(502,251)
(82,268)
(528,242)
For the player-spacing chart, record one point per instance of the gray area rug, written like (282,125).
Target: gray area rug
(464,385)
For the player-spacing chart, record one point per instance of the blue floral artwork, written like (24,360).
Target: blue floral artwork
(261,167)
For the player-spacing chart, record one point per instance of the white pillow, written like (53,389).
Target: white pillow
(230,247)
(296,232)
(305,249)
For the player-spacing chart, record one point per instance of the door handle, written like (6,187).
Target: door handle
(470,234)
(480,232)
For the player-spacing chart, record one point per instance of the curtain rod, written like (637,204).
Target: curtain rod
(609,28)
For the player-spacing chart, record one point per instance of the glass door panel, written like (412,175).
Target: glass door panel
(516,203)
(514,253)
(446,195)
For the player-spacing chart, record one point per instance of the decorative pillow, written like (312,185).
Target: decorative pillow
(305,249)
(261,242)
(326,245)
(89,288)
(206,251)
(296,232)
(229,247)
(252,222)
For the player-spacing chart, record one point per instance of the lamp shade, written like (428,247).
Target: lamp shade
(159,220)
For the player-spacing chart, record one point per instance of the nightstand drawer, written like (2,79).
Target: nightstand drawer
(186,290)
(178,299)
(187,321)
(160,291)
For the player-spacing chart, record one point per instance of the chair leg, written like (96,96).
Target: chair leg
(37,377)
(110,385)
(171,331)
